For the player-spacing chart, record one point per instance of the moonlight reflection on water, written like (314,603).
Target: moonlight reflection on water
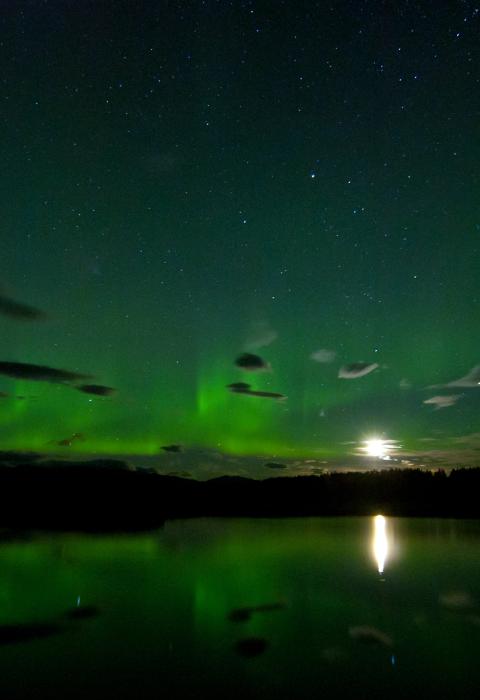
(380,542)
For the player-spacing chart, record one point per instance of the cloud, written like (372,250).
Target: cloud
(251,363)
(323,355)
(260,336)
(67,442)
(356,370)
(96,389)
(462,456)
(18,311)
(470,439)
(443,401)
(172,448)
(266,394)
(457,600)
(39,373)
(370,635)
(5,395)
(405,384)
(27,632)
(243,388)
(469,381)
(275,465)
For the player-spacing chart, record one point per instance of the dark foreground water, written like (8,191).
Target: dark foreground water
(358,607)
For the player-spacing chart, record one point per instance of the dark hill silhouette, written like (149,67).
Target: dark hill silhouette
(105,494)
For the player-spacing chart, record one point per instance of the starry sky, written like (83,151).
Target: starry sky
(184,182)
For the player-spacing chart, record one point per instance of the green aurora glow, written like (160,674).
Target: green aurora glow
(174,177)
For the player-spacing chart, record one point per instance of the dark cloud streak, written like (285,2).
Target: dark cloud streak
(18,311)
(243,388)
(251,363)
(96,389)
(40,373)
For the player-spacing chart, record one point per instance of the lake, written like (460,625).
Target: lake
(295,608)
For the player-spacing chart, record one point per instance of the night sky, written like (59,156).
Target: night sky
(183,182)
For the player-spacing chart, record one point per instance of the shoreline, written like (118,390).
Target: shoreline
(96,498)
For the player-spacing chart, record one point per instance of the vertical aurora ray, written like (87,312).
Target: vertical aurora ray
(235,422)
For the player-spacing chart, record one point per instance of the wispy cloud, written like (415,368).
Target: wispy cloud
(261,334)
(443,401)
(356,370)
(19,311)
(472,439)
(469,381)
(323,355)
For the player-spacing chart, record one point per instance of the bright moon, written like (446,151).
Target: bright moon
(376,448)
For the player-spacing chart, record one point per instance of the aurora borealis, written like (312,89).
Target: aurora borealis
(185,182)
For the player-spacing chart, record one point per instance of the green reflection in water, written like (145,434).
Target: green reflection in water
(164,600)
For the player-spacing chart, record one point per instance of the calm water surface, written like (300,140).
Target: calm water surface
(162,603)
